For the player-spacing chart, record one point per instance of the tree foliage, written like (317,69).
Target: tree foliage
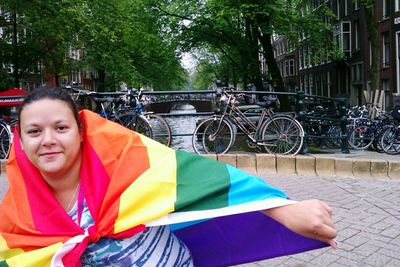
(123,40)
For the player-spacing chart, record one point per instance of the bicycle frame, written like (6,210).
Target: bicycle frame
(234,115)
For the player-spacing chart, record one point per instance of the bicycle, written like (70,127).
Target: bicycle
(276,133)
(5,139)
(161,131)
(115,113)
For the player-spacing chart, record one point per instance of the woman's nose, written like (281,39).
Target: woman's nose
(48,137)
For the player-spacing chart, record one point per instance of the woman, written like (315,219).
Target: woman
(92,192)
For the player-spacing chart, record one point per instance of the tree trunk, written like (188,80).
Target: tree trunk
(373,72)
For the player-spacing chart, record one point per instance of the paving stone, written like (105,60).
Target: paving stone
(347,262)
(324,260)
(366,249)
(379,168)
(390,253)
(361,168)
(394,170)
(344,167)
(285,164)
(393,263)
(305,165)
(356,240)
(391,232)
(377,259)
(346,233)
(246,162)
(266,163)
(374,219)
(325,166)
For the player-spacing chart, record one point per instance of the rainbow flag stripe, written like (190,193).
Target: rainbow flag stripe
(131,182)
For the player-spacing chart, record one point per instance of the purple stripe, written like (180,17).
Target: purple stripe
(242,238)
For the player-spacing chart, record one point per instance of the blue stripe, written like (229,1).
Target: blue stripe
(245,188)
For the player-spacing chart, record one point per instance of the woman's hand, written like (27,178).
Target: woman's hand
(309,218)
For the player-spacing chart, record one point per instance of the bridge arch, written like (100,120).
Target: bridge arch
(167,106)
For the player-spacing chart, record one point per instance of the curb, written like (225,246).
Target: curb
(314,165)
(307,165)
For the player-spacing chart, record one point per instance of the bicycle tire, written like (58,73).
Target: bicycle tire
(205,142)
(390,141)
(137,123)
(5,141)
(143,126)
(160,128)
(282,135)
(361,137)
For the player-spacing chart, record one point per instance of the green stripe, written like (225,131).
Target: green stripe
(202,183)
(3,264)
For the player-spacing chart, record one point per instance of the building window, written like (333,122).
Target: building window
(356,4)
(301,63)
(356,25)
(291,67)
(396,5)
(346,10)
(306,84)
(345,36)
(338,9)
(386,91)
(386,9)
(385,50)
(287,71)
(357,73)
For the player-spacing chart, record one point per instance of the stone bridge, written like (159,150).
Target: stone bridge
(201,105)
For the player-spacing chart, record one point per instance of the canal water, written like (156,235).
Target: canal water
(183,125)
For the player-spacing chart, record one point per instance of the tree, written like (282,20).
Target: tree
(122,39)
(242,30)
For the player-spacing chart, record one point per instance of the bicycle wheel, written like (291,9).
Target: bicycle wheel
(213,136)
(390,141)
(282,135)
(5,141)
(137,123)
(127,120)
(160,128)
(143,126)
(361,137)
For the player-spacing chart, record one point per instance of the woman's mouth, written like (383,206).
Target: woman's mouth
(49,154)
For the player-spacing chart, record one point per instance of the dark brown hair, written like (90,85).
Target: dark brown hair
(50,93)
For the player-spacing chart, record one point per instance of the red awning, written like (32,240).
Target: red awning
(12,97)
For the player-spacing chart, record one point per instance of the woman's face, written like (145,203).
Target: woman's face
(50,137)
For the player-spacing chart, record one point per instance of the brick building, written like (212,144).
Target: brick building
(348,77)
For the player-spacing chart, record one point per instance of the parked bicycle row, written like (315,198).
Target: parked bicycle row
(261,126)
(367,127)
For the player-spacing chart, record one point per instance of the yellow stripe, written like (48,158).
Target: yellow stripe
(34,258)
(6,252)
(153,194)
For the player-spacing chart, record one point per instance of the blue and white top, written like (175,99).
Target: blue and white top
(156,246)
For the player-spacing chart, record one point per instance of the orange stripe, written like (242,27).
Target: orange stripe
(111,143)
(20,212)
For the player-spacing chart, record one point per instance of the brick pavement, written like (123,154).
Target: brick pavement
(366,214)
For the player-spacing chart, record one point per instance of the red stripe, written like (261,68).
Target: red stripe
(48,215)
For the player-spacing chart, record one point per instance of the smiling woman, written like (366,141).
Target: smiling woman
(51,139)
(84,190)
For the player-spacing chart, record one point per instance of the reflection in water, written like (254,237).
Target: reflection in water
(183,125)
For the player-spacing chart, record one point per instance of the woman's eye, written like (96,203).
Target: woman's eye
(62,128)
(33,132)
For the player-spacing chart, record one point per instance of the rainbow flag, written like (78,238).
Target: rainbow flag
(131,182)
